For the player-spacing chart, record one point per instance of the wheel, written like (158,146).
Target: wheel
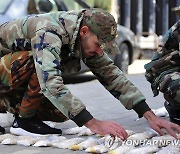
(122,60)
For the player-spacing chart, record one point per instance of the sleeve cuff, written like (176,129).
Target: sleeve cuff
(83,117)
(141,108)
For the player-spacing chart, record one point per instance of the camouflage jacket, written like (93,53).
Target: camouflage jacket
(53,40)
(166,60)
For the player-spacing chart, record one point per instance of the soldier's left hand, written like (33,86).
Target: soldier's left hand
(158,124)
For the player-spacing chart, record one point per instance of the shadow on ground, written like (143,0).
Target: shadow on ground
(78,78)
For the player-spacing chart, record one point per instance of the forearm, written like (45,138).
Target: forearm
(112,78)
(141,108)
(90,123)
(83,118)
(149,115)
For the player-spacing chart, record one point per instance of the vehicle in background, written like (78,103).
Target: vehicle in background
(126,40)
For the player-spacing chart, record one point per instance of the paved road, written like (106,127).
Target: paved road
(102,106)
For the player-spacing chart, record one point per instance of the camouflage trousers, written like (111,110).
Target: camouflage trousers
(20,90)
(170,87)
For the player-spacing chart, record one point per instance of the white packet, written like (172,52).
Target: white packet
(73,131)
(130,132)
(85,144)
(5,136)
(28,140)
(144,150)
(169,150)
(121,149)
(149,133)
(85,132)
(6,119)
(97,149)
(161,112)
(10,141)
(49,141)
(67,143)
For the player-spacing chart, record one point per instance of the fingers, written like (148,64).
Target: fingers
(115,134)
(172,129)
(171,132)
(120,131)
(157,129)
(109,127)
(123,133)
(120,135)
(176,127)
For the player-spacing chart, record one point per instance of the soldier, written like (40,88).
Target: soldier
(33,88)
(163,72)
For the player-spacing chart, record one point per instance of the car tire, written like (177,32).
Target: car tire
(122,60)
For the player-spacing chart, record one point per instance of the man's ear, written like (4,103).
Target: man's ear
(84,30)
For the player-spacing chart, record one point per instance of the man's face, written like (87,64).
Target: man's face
(90,45)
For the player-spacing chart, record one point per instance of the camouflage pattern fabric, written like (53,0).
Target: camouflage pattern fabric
(52,41)
(104,26)
(112,78)
(170,86)
(16,70)
(163,72)
(20,88)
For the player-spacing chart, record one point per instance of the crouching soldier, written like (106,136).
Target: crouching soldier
(163,72)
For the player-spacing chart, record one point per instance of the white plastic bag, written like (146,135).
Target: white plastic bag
(5,136)
(6,119)
(130,132)
(161,112)
(73,131)
(85,132)
(85,144)
(81,131)
(68,143)
(49,141)
(10,141)
(144,150)
(97,149)
(122,149)
(28,140)
(149,133)
(169,150)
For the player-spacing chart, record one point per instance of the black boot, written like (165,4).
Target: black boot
(2,130)
(174,115)
(32,127)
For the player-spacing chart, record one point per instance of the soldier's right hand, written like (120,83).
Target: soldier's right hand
(107,127)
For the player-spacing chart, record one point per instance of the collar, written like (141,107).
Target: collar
(77,49)
(75,44)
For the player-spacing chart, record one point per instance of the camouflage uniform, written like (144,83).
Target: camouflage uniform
(52,39)
(163,72)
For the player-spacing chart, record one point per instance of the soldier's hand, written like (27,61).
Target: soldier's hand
(106,127)
(158,124)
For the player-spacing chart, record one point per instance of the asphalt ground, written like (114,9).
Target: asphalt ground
(102,105)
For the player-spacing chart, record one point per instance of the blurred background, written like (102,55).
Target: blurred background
(141,24)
